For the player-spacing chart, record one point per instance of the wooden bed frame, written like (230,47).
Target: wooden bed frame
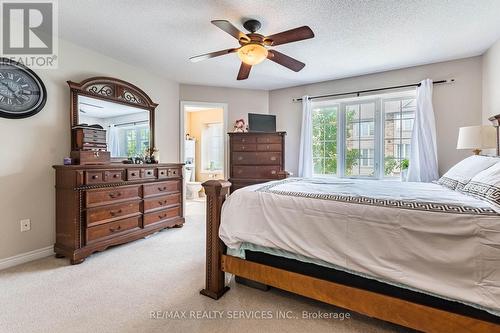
(372,304)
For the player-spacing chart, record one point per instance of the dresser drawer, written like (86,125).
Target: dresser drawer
(148,173)
(269,147)
(103,231)
(161,215)
(244,147)
(101,197)
(110,213)
(171,186)
(133,174)
(113,176)
(93,132)
(94,177)
(162,173)
(173,172)
(269,139)
(255,172)
(156,203)
(247,158)
(94,135)
(243,139)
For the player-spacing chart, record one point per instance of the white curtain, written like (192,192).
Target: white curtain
(113,141)
(423,157)
(305,155)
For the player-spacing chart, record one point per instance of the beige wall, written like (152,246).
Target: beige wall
(455,105)
(31,146)
(240,101)
(196,121)
(491,82)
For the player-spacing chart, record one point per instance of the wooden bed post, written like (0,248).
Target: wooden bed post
(216,191)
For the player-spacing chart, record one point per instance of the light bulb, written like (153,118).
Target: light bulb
(252,53)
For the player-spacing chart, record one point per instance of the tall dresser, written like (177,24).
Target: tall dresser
(98,206)
(256,158)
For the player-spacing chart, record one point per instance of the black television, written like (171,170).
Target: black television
(261,122)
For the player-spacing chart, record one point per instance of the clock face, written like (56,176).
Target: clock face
(22,93)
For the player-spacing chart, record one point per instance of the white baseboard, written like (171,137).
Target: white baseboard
(26,257)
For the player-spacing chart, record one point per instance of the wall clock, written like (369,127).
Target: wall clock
(22,93)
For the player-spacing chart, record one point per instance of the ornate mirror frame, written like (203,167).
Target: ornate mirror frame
(112,90)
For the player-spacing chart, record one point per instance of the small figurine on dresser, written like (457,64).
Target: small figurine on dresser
(151,156)
(240,126)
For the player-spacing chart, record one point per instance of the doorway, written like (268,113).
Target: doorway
(203,147)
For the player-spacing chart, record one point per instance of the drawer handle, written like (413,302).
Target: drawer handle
(113,213)
(162,173)
(96,154)
(116,175)
(240,158)
(273,172)
(115,229)
(243,147)
(242,140)
(267,147)
(164,188)
(132,174)
(162,216)
(161,203)
(115,195)
(149,172)
(240,171)
(273,158)
(95,177)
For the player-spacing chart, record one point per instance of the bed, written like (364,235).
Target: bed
(416,254)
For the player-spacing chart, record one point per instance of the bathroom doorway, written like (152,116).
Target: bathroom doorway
(203,148)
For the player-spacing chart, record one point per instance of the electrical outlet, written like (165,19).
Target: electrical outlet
(25,225)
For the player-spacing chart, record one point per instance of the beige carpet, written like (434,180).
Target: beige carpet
(116,291)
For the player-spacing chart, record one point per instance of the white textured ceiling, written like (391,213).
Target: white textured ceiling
(353,37)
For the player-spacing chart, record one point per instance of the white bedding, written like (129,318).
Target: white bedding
(419,235)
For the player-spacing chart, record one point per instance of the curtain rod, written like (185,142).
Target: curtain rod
(131,123)
(373,90)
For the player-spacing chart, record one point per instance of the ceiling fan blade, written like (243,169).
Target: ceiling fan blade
(290,36)
(230,29)
(212,55)
(244,71)
(285,60)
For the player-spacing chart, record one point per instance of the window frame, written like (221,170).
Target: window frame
(379,132)
(405,95)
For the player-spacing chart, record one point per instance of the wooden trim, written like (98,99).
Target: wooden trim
(392,309)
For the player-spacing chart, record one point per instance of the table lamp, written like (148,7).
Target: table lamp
(477,138)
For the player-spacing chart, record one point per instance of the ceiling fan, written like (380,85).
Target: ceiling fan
(253,46)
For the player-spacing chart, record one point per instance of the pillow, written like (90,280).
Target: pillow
(486,185)
(462,172)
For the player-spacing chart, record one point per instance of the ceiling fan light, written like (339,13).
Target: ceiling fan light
(252,53)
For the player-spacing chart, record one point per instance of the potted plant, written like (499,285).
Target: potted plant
(404,169)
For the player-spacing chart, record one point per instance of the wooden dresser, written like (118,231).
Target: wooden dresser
(256,158)
(98,206)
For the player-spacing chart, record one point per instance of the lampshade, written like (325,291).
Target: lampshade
(476,137)
(252,54)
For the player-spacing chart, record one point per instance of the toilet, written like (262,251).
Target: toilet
(192,188)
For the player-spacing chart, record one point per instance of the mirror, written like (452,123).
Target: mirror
(127,127)
(122,109)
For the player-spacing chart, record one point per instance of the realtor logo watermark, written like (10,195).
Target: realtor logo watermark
(29,32)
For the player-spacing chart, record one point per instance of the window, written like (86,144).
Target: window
(132,140)
(325,140)
(212,147)
(399,115)
(363,136)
